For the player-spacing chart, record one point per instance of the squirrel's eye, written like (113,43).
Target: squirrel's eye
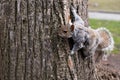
(59,26)
(65,31)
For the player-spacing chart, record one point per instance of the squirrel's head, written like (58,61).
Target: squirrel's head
(66,31)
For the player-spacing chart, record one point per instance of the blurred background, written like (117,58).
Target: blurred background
(104,5)
(106,13)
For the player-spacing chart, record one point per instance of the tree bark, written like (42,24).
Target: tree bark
(30,48)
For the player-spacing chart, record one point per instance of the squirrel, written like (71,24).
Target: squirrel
(78,32)
(88,39)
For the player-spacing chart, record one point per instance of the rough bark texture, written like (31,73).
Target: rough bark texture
(30,48)
(107,72)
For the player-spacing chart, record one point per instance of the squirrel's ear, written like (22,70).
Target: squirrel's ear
(72,27)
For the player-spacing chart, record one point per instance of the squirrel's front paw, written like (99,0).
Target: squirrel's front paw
(72,52)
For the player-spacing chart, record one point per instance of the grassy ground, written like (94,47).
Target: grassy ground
(104,5)
(113,26)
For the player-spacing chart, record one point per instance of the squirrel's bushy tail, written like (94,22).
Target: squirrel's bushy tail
(107,42)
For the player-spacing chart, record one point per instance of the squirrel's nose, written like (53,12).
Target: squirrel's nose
(65,31)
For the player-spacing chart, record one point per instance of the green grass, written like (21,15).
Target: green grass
(104,5)
(114,28)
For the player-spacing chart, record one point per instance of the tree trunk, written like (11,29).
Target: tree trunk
(30,48)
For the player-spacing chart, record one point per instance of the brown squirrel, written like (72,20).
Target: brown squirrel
(88,39)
